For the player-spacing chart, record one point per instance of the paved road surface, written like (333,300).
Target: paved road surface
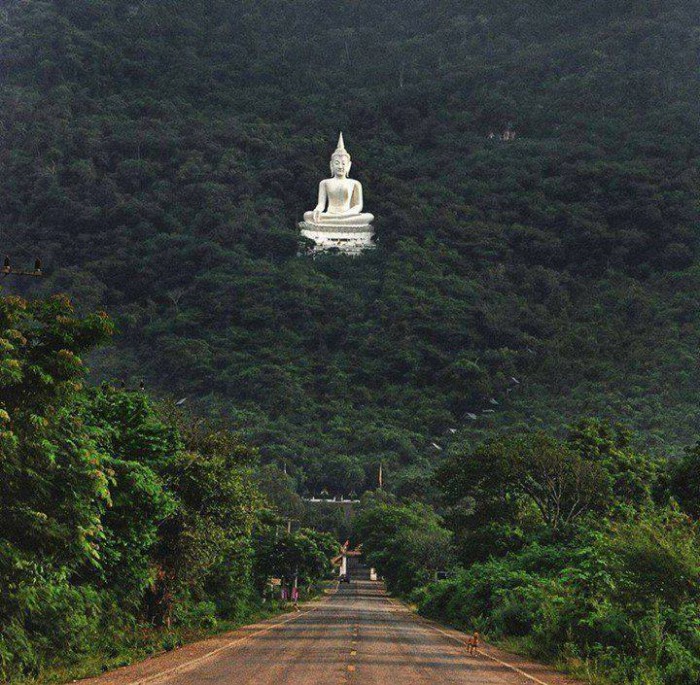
(356,636)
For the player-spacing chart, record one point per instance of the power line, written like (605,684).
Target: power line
(9,270)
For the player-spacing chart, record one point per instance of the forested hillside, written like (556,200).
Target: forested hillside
(158,155)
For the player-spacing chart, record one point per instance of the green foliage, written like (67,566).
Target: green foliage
(633,478)
(685,481)
(304,555)
(139,446)
(279,490)
(115,514)
(658,555)
(406,542)
(612,590)
(205,548)
(525,484)
(53,480)
(618,601)
(159,158)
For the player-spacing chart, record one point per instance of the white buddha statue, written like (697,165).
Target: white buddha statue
(339,199)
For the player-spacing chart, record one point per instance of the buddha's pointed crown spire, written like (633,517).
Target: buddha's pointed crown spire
(340,149)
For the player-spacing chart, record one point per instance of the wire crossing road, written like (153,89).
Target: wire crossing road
(357,635)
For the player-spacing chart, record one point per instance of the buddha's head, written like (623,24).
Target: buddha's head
(340,160)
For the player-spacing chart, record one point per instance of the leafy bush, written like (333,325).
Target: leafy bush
(628,604)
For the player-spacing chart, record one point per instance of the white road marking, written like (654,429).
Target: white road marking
(188,665)
(430,624)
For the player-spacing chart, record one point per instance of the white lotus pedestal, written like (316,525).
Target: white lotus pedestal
(350,240)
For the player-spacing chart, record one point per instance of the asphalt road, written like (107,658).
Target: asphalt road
(357,635)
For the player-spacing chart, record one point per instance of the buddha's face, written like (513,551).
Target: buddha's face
(340,165)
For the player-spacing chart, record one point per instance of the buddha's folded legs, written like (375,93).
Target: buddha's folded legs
(326,219)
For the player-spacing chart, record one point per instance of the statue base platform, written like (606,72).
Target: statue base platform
(350,240)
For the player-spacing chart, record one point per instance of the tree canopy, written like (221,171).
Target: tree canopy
(158,155)
(117,515)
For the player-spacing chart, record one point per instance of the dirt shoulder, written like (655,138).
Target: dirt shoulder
(164,663)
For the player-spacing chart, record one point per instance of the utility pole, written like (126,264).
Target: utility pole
(381,483)
(9,270)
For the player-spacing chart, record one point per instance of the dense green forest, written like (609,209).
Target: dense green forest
(158,155)
(123,522)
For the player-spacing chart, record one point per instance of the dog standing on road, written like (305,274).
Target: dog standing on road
(473,644)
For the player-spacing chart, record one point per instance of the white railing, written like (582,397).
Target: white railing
(331,500)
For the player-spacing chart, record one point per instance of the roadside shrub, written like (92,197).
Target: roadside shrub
(63,619)
(513,617)
(202,614)
(18,654)
(582,606)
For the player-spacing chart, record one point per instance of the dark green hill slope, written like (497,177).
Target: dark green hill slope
(158,155)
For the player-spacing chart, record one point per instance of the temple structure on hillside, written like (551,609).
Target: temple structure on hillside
(338,222)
